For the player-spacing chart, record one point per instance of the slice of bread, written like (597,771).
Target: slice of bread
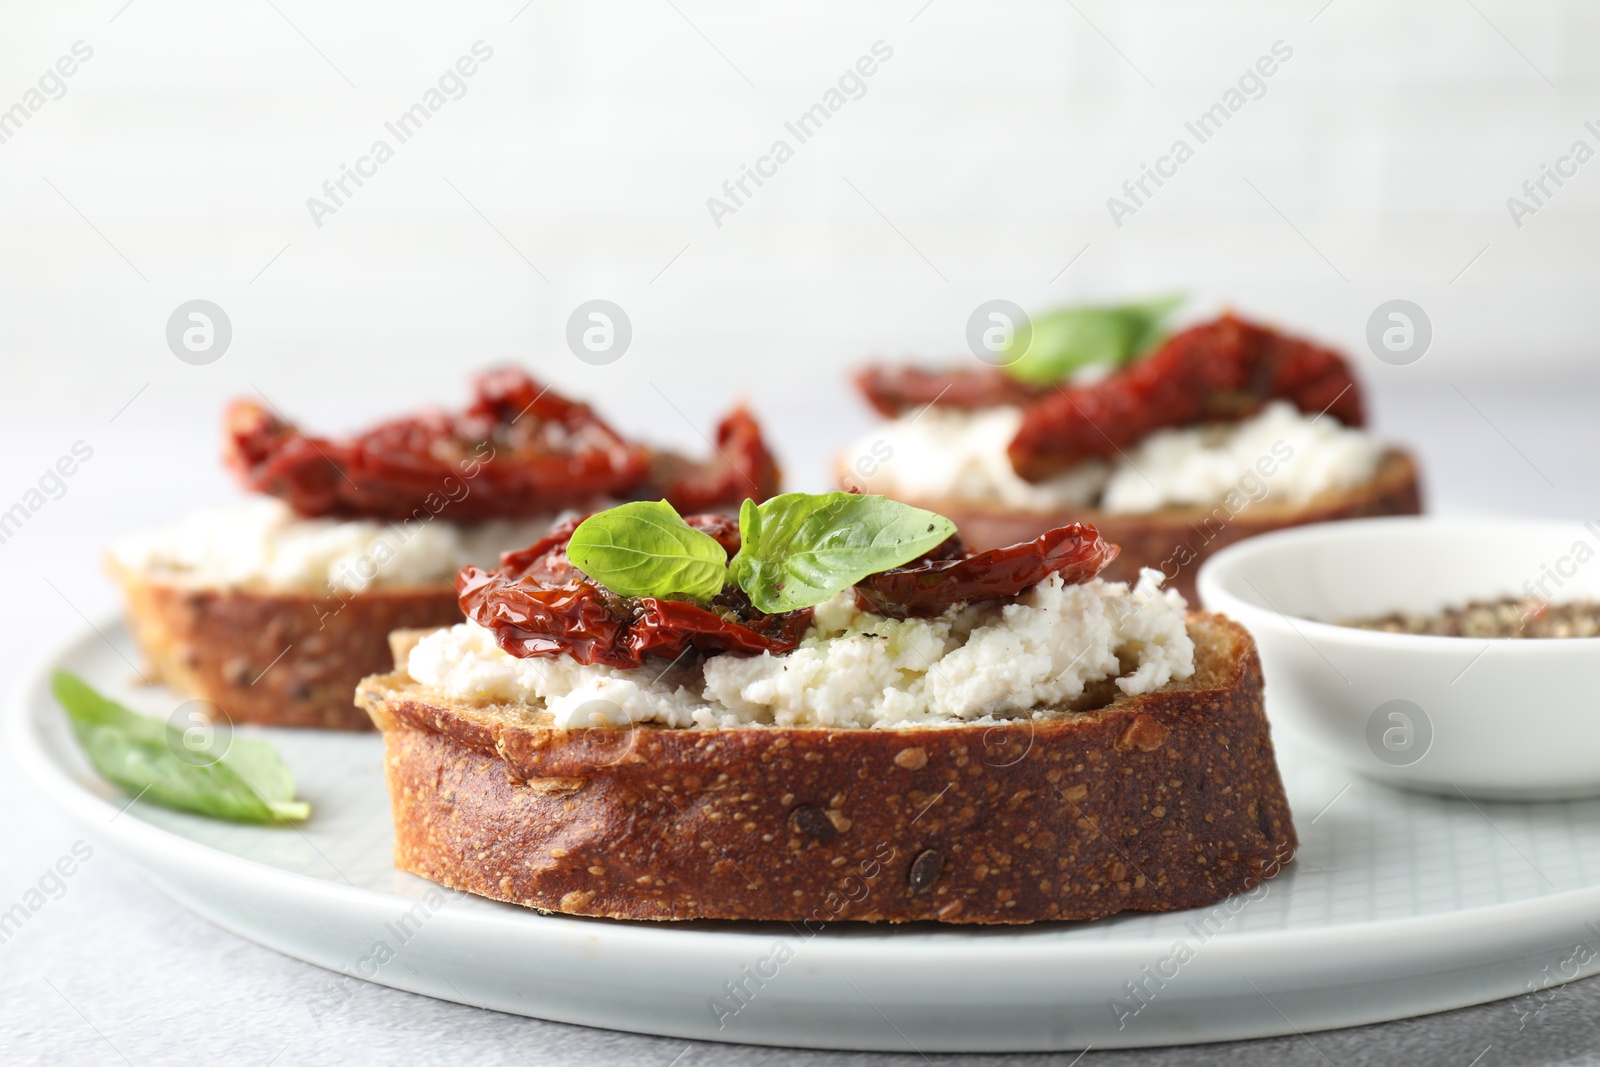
(1176,540)
(1158,802)
(271,657)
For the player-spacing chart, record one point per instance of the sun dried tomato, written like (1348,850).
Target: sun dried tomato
(538,604)
(896,388)
(740,466)
(929,586)
(1224,371)
(518,450)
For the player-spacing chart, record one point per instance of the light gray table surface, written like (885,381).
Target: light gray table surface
(114,972)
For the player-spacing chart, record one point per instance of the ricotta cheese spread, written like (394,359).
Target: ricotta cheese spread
(948,454)
(262,543)
(975,663)
(945,454)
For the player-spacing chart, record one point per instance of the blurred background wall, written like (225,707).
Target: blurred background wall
(177,163)
(576,160)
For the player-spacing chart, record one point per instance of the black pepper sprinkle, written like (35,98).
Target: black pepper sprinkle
(925,870)
(809,820)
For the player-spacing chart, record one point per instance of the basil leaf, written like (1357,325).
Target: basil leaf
(257,763)
(646,549)
(799,549)
(246,782)
(1074,337)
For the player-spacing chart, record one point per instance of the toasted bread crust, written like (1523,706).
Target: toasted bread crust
(275,658)
(1157,802)
(1176,540)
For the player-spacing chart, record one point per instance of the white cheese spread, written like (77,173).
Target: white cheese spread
(949,455)
(982,662)
(262,543)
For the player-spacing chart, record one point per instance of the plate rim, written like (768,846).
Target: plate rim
(45,772)
(1444,961)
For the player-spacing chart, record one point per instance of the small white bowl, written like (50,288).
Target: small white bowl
(1501,719)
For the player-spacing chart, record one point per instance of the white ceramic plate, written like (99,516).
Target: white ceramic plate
(1400,904)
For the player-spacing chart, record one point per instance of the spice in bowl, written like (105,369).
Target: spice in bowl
(1511,617)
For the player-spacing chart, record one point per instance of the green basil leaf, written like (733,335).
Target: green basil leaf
(244,782)
(799,549)
(257,763)
(646,549)
(1149,319)
(1071,338)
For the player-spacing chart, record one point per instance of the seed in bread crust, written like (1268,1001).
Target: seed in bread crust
(236,670)
(1145,733)
(809,820)
(925,870)
(912,759)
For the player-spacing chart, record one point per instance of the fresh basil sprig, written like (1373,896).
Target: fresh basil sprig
(246,782)
(1071,338)
(646,549)
(799,549)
